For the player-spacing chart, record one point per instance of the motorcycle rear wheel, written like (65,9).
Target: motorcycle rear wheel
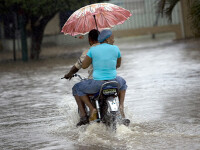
(109,118)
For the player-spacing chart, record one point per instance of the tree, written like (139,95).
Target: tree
(165,7)
(38,13)
(195,17)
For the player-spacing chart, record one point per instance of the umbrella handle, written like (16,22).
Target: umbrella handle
(95,21)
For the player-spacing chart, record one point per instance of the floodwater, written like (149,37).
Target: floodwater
(37,110)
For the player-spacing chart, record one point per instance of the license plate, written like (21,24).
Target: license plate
(109,91)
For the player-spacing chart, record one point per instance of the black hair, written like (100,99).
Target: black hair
(93,35)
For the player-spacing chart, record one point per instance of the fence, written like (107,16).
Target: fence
(144,14)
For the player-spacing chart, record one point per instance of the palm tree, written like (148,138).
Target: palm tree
(165,7)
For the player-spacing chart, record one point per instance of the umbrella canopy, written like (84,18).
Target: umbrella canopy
(99,15)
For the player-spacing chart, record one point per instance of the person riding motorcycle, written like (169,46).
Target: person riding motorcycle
(105,58)
(93,41)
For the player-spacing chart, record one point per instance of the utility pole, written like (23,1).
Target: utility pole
(14,47)
(14,27)
(23,37)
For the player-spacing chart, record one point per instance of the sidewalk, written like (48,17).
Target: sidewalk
(46,52)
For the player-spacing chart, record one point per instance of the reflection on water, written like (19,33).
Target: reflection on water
(37,110)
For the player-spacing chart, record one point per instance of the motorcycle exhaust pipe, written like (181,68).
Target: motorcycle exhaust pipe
(98,109)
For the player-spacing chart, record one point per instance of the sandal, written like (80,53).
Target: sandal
(83,121)
(126,122)
(93,115)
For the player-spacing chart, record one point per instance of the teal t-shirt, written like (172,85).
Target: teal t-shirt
(104,61)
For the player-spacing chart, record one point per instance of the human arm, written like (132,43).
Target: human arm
(118,62)
(72,71)
(119,58)
(77,66)
(86,62)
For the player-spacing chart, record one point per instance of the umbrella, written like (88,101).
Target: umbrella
(99,16)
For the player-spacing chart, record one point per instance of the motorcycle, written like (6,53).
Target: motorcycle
(107,104)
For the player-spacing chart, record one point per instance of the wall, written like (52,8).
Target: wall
(185,5)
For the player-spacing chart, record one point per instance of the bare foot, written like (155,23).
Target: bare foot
(93,115)
(121,108)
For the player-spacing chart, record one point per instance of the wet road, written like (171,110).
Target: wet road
(37,110)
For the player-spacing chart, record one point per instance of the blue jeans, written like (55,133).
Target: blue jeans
(91,86)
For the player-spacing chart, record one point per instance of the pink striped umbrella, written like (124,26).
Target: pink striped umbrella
(99,15)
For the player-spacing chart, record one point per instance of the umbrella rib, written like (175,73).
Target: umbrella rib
(90,9)
(114,16)
(117,18)
(76,24)
(84,23)
(124,15)
(79,13)
(105,19)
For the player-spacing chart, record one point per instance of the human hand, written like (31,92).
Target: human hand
(68,76)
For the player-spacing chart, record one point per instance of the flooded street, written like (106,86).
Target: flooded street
(38,111)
